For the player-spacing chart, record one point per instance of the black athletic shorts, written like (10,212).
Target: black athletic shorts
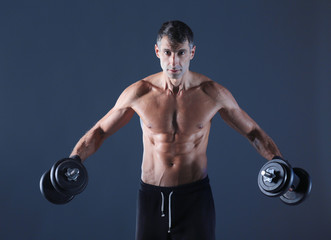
(184,212)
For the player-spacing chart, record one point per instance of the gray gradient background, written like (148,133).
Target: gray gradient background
(64,63)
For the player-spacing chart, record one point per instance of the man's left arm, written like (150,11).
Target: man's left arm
(238,119)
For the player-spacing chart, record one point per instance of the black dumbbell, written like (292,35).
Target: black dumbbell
(278,178)
(67,178)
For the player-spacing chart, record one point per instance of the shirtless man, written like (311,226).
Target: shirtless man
(176,107)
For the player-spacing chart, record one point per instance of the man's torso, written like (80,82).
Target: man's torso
(175,130)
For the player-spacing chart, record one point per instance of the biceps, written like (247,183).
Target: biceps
(239,120)
(115,119)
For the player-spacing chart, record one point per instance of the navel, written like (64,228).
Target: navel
(151,140)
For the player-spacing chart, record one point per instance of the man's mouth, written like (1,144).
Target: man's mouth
(174,70)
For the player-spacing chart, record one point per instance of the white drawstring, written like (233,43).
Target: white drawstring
(162,205)
(162,208)
(170,211)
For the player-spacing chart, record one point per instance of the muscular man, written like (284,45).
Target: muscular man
(176,107)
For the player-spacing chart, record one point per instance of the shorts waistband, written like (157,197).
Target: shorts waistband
(189,187)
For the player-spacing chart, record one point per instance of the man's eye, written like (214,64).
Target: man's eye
(167,52)
(181,52)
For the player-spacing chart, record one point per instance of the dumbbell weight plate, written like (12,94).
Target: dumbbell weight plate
(49,192)
(60,180)
(73,187)
(280,183)
(302,190)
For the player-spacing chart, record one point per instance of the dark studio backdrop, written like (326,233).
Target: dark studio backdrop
(63,64)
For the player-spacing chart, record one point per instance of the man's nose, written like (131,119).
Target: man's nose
(174,59)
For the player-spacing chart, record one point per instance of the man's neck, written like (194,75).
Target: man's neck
(176,86)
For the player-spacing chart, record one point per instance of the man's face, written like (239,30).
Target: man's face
(174,57)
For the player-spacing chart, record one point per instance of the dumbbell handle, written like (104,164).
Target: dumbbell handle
(267,174)
(72,174)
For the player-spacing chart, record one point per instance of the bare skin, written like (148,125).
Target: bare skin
(176,107)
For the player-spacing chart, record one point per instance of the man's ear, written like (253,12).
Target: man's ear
(157,51)
(192,52)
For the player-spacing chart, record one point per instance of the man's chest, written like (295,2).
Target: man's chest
(185,113)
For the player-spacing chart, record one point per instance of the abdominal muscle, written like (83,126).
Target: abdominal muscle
(174,159)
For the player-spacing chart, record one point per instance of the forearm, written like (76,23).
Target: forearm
(263,144)
(89,143)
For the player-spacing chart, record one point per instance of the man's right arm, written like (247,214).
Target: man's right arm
(115,119)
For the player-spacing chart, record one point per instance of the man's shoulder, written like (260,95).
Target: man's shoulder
(216,92)
(209,86)
(141,87)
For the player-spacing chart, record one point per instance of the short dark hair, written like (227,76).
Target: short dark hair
(177,32)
